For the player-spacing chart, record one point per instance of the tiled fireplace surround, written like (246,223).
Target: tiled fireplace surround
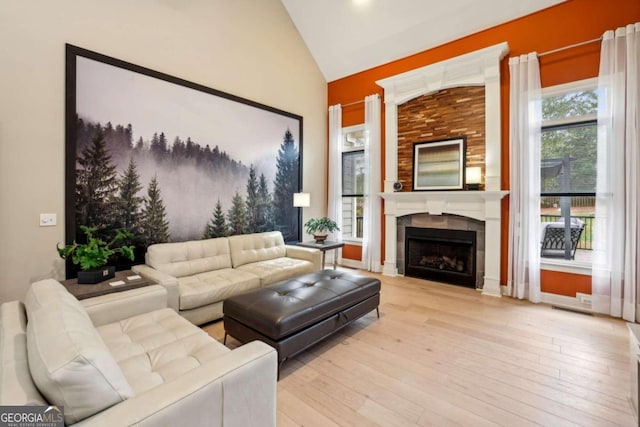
(440,208)
(448,222)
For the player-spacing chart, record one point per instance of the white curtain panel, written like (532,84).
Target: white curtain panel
(334,208)
(371,244)
(525,118)
(615,264)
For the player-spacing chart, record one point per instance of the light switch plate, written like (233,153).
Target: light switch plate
(48,219)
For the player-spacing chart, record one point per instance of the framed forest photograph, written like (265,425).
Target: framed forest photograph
(167,160)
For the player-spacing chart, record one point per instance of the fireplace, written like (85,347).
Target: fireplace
(478,68)
(441,255)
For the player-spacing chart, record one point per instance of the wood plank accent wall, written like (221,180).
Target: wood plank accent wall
(446,114)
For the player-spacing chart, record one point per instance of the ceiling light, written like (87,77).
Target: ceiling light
(361,3)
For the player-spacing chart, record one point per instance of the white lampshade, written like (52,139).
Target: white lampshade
(301,200)
(474,175)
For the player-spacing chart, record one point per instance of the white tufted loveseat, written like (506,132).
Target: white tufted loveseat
(200,274)
(152,368)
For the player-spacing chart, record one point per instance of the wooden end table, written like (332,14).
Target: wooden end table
(324,247)
(102,288)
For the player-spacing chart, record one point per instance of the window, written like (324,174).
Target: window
(352,183)
(568,170)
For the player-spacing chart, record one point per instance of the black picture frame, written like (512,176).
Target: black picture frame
(205,144)
(439,165)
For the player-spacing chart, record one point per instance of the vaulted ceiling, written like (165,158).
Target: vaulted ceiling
(348,36)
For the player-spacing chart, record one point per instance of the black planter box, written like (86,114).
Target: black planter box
(92,277)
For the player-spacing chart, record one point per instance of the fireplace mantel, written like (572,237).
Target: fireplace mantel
(472,204)
(480,205)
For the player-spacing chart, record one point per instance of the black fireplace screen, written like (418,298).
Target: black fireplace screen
(441,255)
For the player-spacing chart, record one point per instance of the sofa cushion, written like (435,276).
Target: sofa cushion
(248,248)
(48,291)
(158,347)
(277,269)
(213,286)
(68,360)
(188,258)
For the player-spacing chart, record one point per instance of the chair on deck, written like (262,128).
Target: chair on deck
(553,238)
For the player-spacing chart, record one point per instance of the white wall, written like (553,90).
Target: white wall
(248,48)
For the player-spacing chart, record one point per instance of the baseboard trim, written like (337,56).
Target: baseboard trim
(581,302)
(351,263)
(563,301)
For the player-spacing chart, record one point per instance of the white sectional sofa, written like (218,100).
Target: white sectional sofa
(200,274)
(153,368)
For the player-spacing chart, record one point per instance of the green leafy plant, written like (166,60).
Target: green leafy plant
(321,225)
(96,252)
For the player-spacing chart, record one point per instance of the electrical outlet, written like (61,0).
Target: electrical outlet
(48,219)
(584,298)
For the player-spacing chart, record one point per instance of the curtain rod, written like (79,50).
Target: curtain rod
(560,49)
(357,102)
(352,103)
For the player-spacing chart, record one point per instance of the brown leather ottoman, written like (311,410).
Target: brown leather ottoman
(294,314)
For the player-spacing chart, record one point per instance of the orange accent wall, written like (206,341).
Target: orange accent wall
(567,284)
(352,252)
(571,22)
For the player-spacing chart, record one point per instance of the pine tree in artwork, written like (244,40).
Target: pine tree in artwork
(192,149)
(128,132)
(264,208)
(159,146)
(285,184)
(252,201)
(237,215)
(217,226)
(155,227)
(128,207)
(96,183)
(178,150)
(139,145)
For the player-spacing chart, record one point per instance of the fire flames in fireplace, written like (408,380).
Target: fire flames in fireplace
(442,263)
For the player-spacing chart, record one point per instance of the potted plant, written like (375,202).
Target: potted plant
(320,228)
(92,257)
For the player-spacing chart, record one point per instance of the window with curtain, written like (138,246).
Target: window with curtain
(568,171)
(353,172)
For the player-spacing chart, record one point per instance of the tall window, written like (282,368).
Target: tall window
(352,183)
(568,170)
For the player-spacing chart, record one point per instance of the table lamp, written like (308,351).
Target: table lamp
(301,200)
(474,177)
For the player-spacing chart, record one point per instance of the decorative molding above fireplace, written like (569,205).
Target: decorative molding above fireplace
(478,68)
(472,204)
(481,67)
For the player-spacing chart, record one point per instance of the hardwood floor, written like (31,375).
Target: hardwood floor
(444,355)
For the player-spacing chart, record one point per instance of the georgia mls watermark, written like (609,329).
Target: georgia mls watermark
(32,416)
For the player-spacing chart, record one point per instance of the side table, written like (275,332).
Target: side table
(102,288)
(324,247)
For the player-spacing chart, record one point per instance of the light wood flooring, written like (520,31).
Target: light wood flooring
(444,355)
